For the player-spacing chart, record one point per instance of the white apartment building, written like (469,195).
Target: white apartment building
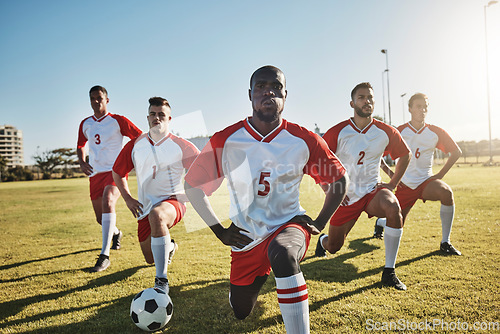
(11,145)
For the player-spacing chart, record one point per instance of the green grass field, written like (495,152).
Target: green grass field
(50,239)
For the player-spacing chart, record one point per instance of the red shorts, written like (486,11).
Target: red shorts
(407,196)
(143,227)
(347,213)
(246,266)
(98,182)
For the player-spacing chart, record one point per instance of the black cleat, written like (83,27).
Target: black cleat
(116,240)
(448,248)
(101,264)
(390,279)
(162,284)
(320,251)
(379,231)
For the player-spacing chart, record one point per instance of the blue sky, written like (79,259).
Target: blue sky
(200,55)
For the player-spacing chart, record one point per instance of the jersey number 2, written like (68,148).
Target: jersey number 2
(265,183)
(361,156)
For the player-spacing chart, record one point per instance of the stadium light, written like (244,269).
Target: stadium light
(487,75)
(383,94)
(384,51)
(403,104)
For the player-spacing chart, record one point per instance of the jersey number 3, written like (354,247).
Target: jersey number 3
(97,139)
(265,183)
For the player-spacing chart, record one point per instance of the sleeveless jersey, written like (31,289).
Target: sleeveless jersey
(360,151)
(105,138)
(263,173)
(422,144)
(158,166)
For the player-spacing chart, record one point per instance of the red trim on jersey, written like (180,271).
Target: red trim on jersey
(293,300)
(364,130)
(123,163)
(445,142)
(397,147)
(189,151)
(323,166)
(332,135)
(127,128)
(82,140)
(257,136)
(160,141)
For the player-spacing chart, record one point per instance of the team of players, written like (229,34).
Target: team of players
(264,158)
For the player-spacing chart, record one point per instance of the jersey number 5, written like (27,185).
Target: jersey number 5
(265,183)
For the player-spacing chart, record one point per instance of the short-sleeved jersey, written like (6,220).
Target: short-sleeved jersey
(360,151)
(422,144)
(158,166)
(263,173)
(105,138)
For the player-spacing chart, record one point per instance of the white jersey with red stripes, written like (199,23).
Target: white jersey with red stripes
(105,139)
(263,173)
(159,167)
(422,143)
(360,151)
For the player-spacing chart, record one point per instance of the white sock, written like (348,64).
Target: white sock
(321,240)
(392,238)
(381,222)
(108,226)
(447,213)
(161,247)
(294,303)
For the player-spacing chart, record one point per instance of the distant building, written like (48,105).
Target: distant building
(11,145)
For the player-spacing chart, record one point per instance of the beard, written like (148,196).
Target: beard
(268,118)
(360,113)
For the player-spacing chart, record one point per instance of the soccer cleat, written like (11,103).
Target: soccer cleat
(101,264)
(448,248)
(379,231)
(162,284)
(320,251)
(172,252)
(390,279)
(116,240)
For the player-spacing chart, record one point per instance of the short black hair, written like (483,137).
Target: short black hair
(158,102)
(358,86)
(267,68)
(98,89)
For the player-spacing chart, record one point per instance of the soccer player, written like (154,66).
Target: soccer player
(264,158)
(360,143)
(418,182)
(159,159)
(104,132)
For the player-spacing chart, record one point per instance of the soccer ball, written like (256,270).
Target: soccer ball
(151,309)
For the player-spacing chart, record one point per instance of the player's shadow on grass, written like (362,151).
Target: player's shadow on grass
(18,264)
(13,307)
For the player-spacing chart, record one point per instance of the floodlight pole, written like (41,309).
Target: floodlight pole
(488,76)
(384,51)
(403,104)
(383,94)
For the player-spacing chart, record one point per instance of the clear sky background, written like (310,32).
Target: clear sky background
(200,55)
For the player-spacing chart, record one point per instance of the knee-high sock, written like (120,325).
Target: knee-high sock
(391,240)
(108,227)
(447,213)
(161,247)
(293,301)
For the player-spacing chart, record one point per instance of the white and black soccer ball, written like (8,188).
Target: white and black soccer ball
(151,309)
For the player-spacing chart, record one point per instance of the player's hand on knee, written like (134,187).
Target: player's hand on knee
(313,226)
(134,206)
(232,236)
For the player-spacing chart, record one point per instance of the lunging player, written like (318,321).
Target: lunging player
(104,132)
(264,158)
(159,159)
(418,182)
(360,142)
